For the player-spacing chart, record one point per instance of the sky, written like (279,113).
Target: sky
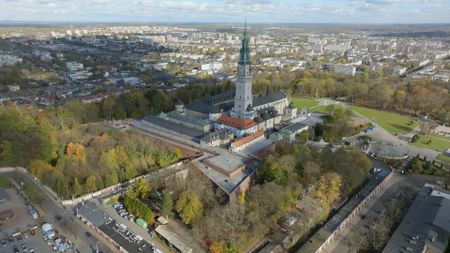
(228,11)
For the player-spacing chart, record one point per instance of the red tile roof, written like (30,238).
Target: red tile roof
(236,123)
(247,139)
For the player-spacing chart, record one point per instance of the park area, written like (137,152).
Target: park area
(433,141)
(309,103)
(392,122)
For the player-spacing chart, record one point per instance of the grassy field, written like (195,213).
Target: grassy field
(320,108)
(438,143)
(304,102)
(392,122)
(4,182)
(310,103)
(444,158)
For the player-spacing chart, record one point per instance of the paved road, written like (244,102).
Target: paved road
(380,134)
(49,209)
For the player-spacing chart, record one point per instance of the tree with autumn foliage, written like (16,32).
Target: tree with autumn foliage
(77,150)
(328,189)
(189,206)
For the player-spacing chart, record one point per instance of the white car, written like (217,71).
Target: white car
(156,250)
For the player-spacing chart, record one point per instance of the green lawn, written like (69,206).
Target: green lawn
(304,102)
(310,103)
(320,108)
(4,182)
(392,122)
(444,158)
(438,143)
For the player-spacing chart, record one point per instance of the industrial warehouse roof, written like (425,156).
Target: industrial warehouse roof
(228,161)
(172,126)
(426,225)
(172,238)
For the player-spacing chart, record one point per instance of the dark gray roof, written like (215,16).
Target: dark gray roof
(205,108)
(189,119)
(272,97)
(179,128)
(258,119)
(217,134)
(427,222)
(224,102)
(295,127)
(92,212)
(219,98)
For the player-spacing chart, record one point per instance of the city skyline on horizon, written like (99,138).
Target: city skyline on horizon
(229,11)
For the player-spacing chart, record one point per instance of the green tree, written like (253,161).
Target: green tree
(416,165)
(143,188)
(112,179)
(91,184)
(167,205)
(77,189)
(338,114)
(6,153)
(120,113)
(272,171)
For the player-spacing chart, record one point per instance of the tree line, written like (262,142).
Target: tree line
(71,156)
(370,89)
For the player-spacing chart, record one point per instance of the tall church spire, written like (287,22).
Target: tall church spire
(243,99)
(244,54)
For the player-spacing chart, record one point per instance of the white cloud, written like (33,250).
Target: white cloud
(184,5)
(228,10)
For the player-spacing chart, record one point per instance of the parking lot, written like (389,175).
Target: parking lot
(124,236)
(125,233)
(16,233)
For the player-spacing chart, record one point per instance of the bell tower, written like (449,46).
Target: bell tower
(243,99)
